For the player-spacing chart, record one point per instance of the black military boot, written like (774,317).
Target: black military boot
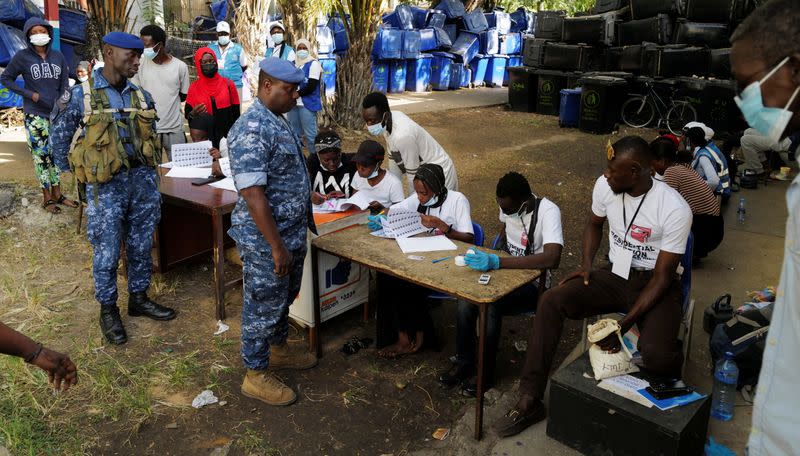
(139,305)
(111,325)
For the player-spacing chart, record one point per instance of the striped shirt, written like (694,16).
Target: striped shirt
(693,189)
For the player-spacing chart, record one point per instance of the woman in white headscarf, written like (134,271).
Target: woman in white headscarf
(304,116)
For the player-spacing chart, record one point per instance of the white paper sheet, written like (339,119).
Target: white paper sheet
(167,165)
(225,184)
(627,386)
(402,223)
(358,200)
(425,244)
(190,173)
(225,166)
(191,154)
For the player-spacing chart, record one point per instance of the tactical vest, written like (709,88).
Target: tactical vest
(99,154)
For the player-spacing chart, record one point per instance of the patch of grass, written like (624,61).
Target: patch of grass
(253,442)
(355,395)
(182,370)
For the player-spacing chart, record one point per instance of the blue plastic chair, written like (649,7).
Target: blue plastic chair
(478,240)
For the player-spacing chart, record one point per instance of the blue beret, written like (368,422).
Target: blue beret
(282,70)
(124,40)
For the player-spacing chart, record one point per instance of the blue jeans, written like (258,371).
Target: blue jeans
(521,301)
(304,123)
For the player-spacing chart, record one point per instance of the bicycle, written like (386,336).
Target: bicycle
(640,110)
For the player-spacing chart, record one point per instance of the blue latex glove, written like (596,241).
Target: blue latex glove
(481,261)
(375,222)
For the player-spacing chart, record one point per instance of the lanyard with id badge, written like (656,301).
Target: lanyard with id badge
(624,258)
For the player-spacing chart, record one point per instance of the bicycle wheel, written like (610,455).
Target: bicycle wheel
(681,113)
(637,112)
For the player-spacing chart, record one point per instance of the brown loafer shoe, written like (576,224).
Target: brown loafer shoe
(515,421)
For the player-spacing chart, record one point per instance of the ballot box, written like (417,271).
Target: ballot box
(342,283)
(598,422)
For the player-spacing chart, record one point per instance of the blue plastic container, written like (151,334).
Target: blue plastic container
(427,40)
(418,74)
(328,62)
(325,43)
(436,19)
(339,34)
(723,398)
(420,16)
(456,73)
(496,70)
(466,76)
(441,64)
(11,41)
(453,9)
(475,21)
(402,17)
(9,99)
(411,44)
(519,20)
(388,44)
(478,66)
(72,24)
(490,42)
(511,44)
(443,41)
(466,46)
(452,32)
(513,61)
(570,111)
(499,20)
(380,76)
(397,76)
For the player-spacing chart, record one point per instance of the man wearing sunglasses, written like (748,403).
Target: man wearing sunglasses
(765,59)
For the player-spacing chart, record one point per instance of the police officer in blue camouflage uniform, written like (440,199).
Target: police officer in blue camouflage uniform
(269,225)
(127,207)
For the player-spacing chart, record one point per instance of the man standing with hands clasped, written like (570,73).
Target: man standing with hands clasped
(269,226)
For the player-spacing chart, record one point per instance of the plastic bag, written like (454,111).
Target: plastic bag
(605,364)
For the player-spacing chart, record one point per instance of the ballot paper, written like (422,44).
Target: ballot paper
(189,173)
(425,244)
(628,387)
(358,200)
(225,166)
(401,223)
(191,155)
(225,184)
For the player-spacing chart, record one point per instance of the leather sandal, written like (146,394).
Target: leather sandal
(50,206)
(64,201)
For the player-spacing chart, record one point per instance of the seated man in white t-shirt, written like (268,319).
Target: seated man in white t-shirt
(532,234)
(649,225)
(383,189)
(410,146)
(444,212)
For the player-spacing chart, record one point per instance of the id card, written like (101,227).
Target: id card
(622,263)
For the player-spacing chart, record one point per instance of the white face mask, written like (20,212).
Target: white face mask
(224,40)
(83,78)
(431,201)
(374,173)
(40,39)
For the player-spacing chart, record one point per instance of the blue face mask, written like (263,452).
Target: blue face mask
(431,201)
(769,122)
(374,172)
(150,53)
(375,129)
(302,55)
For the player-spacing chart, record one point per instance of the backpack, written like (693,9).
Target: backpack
(744,335)
(99,154)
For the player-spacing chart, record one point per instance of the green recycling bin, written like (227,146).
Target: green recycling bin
(548,93)
(601,101)
(522,87)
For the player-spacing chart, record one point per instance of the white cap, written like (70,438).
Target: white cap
(278,24)
(223,26)
(709,132)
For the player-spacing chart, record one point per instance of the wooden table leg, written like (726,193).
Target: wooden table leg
(218,263)
(479,393)
(314,338)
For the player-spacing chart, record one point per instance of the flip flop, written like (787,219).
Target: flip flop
(64,201)
(50,206)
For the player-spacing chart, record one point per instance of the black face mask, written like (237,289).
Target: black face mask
(208,69)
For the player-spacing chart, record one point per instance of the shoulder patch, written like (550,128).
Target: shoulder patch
(252,126)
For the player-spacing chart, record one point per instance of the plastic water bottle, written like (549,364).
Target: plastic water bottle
(726,374)
(741,211)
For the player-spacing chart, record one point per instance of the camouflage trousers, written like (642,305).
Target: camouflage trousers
(38,129)
(267,297)
(125,209)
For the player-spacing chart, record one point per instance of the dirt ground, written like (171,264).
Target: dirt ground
(134,399)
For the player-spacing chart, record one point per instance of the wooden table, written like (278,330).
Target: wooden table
(194,221)
(384,255)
